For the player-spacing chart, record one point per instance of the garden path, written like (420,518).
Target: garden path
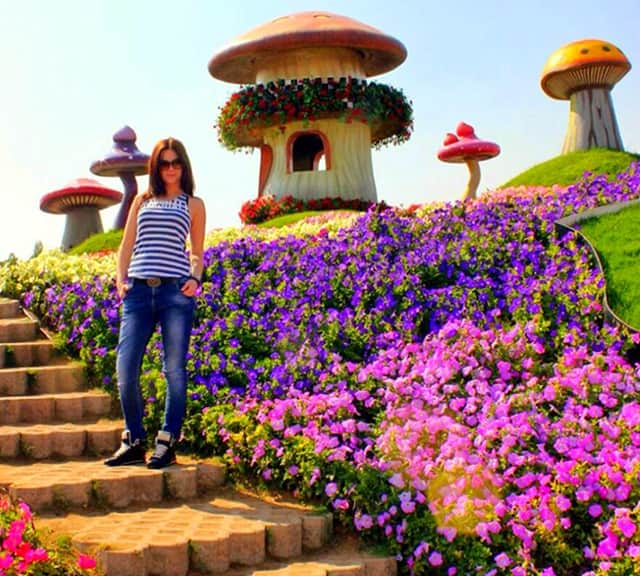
(181,521)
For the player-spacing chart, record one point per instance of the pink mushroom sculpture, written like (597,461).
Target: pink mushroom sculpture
(80,200)
(465,146)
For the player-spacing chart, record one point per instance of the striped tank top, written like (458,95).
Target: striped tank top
(159,250)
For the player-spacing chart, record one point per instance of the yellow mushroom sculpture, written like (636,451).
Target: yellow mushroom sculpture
(584,72)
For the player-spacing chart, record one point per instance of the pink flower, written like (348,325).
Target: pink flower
(563,502)
(6,560)
(502,560)
(626,526)
(397,481)
(36,555)
(340,504)
(435,558)
(634,551)
(86,562)
(595,510)
(26,511)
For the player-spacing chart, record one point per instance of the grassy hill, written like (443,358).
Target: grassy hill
(615,236)
(569,168)
(98,242)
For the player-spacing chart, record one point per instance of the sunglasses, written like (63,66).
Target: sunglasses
(166,164)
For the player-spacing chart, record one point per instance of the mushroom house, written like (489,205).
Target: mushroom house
(585,72)
(307,105)
(127,162)
(80,200)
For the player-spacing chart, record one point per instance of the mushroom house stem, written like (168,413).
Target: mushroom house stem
(592,122)
(474,180)
(130,191)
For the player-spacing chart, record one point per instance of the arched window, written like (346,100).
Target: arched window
(308,151)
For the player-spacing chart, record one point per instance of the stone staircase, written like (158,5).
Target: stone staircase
(181,521)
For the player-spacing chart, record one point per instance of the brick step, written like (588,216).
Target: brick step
(67,377)
(20,329)
(333,562)
(61,440)
(44,408)
(36,353)
(9,308)
(231,531)
(88,483)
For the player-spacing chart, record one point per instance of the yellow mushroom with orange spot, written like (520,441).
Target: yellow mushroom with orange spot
(585,72)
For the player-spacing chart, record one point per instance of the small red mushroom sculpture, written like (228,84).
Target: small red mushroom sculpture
(80,200)
(465,146)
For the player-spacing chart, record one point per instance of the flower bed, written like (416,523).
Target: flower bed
(268,207)
(444,380)
(253,108)
(23,552)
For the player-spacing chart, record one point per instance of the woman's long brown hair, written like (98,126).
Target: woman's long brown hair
(156,184)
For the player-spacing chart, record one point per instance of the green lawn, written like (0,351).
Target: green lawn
(99,242)
(616,237)
(569,168)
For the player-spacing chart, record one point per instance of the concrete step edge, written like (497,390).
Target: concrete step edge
(9,308)
(43,408)
(29,353)
(87,482)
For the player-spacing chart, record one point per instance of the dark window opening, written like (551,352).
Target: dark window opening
(308,153)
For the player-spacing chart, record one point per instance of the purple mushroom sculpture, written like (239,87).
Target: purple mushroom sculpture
(80,200)
(126,161)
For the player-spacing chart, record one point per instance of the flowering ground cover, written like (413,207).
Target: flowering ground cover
(23,552)
(443,378)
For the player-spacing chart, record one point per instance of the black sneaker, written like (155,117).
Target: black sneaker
(164,453)
(128,453)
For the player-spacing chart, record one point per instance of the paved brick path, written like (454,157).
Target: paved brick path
(181,521)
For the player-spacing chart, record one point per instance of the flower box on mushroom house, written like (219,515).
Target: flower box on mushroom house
(307,105)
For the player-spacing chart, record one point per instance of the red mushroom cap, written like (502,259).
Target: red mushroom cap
(466,146)
(79,193)
(239,61)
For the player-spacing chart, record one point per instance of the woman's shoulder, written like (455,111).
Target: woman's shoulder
(195,202)
(137,201)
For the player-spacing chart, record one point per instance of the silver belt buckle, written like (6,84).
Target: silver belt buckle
(154,282)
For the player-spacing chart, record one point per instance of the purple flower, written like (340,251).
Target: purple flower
(330,489)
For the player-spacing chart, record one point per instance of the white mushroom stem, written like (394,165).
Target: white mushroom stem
(592,122)
(474,179)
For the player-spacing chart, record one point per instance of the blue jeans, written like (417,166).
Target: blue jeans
(143,307)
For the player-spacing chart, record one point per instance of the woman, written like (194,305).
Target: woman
(157,282)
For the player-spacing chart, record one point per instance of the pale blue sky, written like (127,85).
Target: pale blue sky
(75,71)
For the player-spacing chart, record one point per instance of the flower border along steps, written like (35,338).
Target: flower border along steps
(138,522)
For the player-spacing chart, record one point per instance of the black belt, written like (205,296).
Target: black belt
(155,282)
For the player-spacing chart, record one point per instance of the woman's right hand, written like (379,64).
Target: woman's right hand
(122,286)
